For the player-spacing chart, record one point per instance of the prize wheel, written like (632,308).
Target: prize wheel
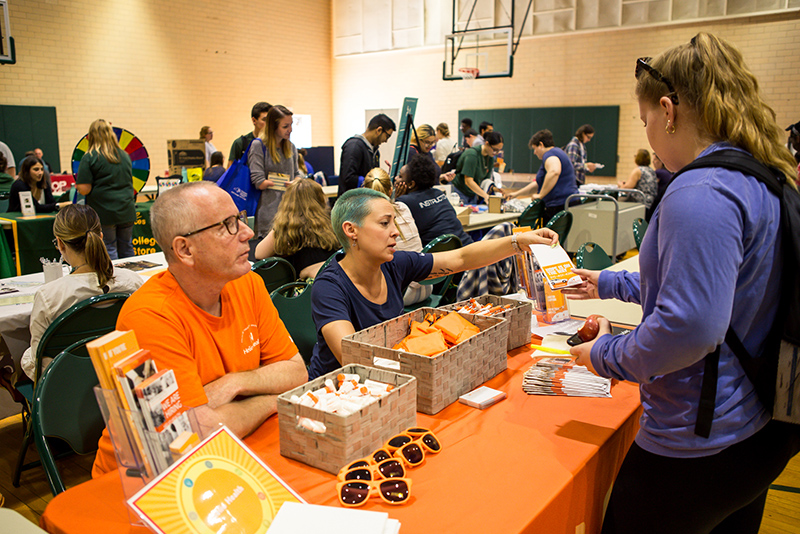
(140,159)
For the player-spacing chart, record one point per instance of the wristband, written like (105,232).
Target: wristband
(515,245)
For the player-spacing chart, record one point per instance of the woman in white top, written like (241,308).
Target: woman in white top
(206,134)
(80,241)
(444,143)
(409,239)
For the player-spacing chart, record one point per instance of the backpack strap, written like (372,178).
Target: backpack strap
(742,162)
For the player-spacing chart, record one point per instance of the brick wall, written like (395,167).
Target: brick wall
(584,69)
(163,69)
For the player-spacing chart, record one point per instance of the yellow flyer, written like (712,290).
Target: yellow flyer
(219,487)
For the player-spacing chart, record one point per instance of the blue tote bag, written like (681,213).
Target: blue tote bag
(236,181)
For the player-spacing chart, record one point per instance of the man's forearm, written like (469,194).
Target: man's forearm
(270,379)
(243,417)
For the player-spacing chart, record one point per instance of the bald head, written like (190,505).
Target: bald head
(179,210)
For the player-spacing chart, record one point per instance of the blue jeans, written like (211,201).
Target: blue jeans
(119,240)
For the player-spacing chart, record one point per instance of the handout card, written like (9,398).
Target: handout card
(556,266)
(220,486)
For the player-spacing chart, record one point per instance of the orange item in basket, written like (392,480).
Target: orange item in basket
(453,325)
(426,344)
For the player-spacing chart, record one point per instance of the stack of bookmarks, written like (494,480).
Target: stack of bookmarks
(560,376)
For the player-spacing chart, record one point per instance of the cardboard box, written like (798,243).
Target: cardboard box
(463,213)
(187,153)
(347,437)
(441,379)
(495,204)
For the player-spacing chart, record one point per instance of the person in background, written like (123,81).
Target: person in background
(39,154)
(31,178)
(207,134)
(555,180)
(429,206)
(105,178)
(794,145)
(664,178)
(423,139)
(6,180)
(301,233)
(361,153)
(305,165)
(576,150)
(678,477)
(79,239)
(259,117)
(469,138)
(409,239)
(364,286)
(272,152)
(11,165)
(209,318)
(474,166)
(466,125)
(483,128)
(216,170)
(643,178)
(444,143)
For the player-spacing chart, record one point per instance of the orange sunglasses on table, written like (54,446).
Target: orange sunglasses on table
(388,468)
(412,444)
(353,493)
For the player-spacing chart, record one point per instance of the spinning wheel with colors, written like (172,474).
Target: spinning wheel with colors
(140,159)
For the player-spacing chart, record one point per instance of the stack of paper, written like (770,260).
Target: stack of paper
(295,517)
(281,181)
(560,376)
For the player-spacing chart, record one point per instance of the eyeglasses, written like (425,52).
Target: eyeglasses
(642,64)
(356,492)
(412,444)
(389,468)
(231,224)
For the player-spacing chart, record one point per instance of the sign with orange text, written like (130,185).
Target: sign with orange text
(556,266)
(219,487)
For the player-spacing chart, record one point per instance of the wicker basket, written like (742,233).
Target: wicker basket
(445,377)
(518,317)
(347,437)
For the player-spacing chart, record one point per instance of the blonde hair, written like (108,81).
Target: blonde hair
(379,180)
(274,117)
(303,219)
(102,139)
(711,80)
(443,129)
(78,226)
(423,131)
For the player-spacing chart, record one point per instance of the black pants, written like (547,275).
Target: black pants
(723,493)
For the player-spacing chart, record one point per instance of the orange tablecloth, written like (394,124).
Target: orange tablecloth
(527,464)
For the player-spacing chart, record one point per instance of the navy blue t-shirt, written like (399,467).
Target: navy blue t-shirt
(434,215)
(335,298)
(565,186)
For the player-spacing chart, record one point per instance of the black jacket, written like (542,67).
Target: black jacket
(357,160)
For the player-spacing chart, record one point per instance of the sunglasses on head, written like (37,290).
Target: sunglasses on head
(642,64)
(353,493)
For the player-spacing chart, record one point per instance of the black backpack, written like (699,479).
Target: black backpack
(776,374)
(452,160)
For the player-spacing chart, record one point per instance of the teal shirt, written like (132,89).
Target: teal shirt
(5,182)
(112,195)
(474,165)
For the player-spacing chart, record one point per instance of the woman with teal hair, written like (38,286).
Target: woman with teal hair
(365,286)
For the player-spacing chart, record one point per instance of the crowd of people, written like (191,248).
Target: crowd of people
(210,319)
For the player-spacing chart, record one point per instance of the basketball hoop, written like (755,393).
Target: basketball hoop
(468,74)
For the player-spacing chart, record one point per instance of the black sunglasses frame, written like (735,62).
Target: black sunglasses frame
(240,217)
(643,65)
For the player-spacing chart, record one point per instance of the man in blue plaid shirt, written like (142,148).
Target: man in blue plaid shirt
(576,150)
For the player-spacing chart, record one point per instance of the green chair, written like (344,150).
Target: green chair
(329,261)
(65,407)
(561,223)
(440,244)
(275,272)
(4,199)
(89,318)
(592,256)
(294,310)
(533,215)
(639,229)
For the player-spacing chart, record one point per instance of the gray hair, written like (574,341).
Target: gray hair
(174,213)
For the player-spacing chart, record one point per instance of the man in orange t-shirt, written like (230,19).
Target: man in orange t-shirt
(209,318)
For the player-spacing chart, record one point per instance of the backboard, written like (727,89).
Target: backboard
(488,50)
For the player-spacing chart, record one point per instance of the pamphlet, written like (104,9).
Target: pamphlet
(220,486)
(280,180)
(556,266)
(136,266)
